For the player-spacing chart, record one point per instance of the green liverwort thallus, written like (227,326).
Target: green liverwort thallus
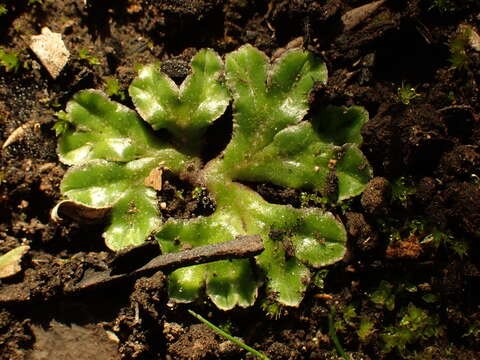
(114,149)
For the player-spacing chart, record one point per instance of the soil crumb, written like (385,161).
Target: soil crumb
(72,342)
(197,343)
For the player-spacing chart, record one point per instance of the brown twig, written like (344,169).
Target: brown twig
(241,247)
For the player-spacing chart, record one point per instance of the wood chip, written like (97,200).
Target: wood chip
(356,16)
(50,50)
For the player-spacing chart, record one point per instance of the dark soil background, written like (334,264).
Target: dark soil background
(409,285)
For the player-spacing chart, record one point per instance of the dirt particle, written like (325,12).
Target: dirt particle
(461,162)
(376,195)
(458,207)
(366,239)
(72,343)
(15,336)
(172,331)
(198,342)
(425,189)
(149,293)
(408,248)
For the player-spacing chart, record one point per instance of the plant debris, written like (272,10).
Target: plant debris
(50,50)
(10,262)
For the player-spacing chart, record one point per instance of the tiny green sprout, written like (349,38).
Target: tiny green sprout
(394,236)
(84,54)
(346,206)
(229,337)
(319,278)
(179,194)
(349,314)
(114,150)
(460,247)
(406,93)
(473,330)
(3,10)
(198,192)
(416,226)
(9,60)
(444,6)
(384,295)
(451,96)
(307,200)
(272,309)
(447,240)
(430,298)
(415,326)
(402,189)
(459,58)
(113,88)
(61,125)
(365,329)
(55,104)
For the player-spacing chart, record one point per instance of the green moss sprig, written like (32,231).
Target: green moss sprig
(9,60)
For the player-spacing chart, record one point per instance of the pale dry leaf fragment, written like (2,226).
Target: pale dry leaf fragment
(79,212)
(296,43)
(473,37)
(50,50)
(134,8)
(10,262)
(18,133)
(154,179)
(355,16)
(112,336)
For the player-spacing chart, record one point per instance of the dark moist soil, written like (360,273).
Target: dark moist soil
(416,226)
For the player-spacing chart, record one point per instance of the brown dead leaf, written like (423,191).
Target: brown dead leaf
(154,179)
